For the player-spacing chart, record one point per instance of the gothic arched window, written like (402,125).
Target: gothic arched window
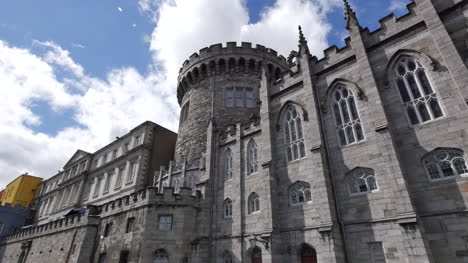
(161,256)
(292,125)
(419,98)
(252,163)
(299,193)
(227,207)
(361,180)
(253,203)
(347,120)
(228,164)
(445,163)
(226,257)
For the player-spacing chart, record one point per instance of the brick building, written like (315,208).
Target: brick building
(359,156)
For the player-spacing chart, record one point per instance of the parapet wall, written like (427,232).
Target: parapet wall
(232,59)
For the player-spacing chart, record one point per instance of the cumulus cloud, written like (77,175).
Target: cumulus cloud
(108,107)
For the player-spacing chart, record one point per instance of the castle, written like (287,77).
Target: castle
(360,156)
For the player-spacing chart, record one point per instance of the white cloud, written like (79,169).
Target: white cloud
(398,5)
(105,108)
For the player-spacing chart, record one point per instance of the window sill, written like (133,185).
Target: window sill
(353,144)
(254,213)
(300,204)
(454,178)
(297,160)
(424,125)
(362,193)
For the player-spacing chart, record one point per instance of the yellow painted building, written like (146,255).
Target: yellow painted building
(21,190)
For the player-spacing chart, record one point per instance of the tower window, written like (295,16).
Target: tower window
(253,203)
(227,206)
(252,162)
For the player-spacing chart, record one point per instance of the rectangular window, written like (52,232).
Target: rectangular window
(125,149)
(132,171)
(95,164)
(130,225)
(108,229)
(97,186)
(83,166)
(75,170)
(104,158)
(110,174)
(118,180)
(137,140)
(239,97)
(65,197)
(114,154)
(229,97)
(249,98)
(87,190)
(165,223)
(377,252)
(65,177)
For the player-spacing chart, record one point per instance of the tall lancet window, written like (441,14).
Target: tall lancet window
(348,123)
(228,164)
(252,163)
(292,125)
(419,99)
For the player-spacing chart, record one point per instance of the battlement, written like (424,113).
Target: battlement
(151,196)
(231,59)
(389,25)
(246,128)
(59,225)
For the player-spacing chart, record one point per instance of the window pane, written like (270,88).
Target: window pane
(412,115)
(295,152)
(362,185)
(308,195)
(293,130)
(460,166)
(446,169)
(344,110)
(336,110)
(289,152)
(424,82)
(413,86)
(299,128)
(349,134)
(359,133)
(423,112)
(239,97)
(342,136)
(403,91)
(352,106)
(301,149)
(411,65)
(229,98)
(249,98)
(371,182)
(435,108)
(432,170)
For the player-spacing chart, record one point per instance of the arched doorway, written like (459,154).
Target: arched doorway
(308,254)
(256,255)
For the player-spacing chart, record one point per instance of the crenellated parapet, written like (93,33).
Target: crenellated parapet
(245,129)
(231,59)
(88,217)
(150,196)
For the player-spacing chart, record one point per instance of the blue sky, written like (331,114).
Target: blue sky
(101,67)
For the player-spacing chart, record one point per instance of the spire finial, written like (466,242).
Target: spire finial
(302,39)
(350,16)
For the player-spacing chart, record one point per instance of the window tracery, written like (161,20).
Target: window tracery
(292,125)
(445,163)
(348,123)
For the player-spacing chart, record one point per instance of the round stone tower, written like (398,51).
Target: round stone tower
(223,83)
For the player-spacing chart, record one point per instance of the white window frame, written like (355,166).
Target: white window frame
(365,174)
(252,157)
(289,126)
(341,124)
(227,208)
(434,95)
(431,158)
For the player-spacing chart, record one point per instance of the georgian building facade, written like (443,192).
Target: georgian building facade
(359,156)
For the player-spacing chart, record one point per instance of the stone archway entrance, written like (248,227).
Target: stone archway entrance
(308,254)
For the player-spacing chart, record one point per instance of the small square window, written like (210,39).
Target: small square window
(165,223)
(130,225)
